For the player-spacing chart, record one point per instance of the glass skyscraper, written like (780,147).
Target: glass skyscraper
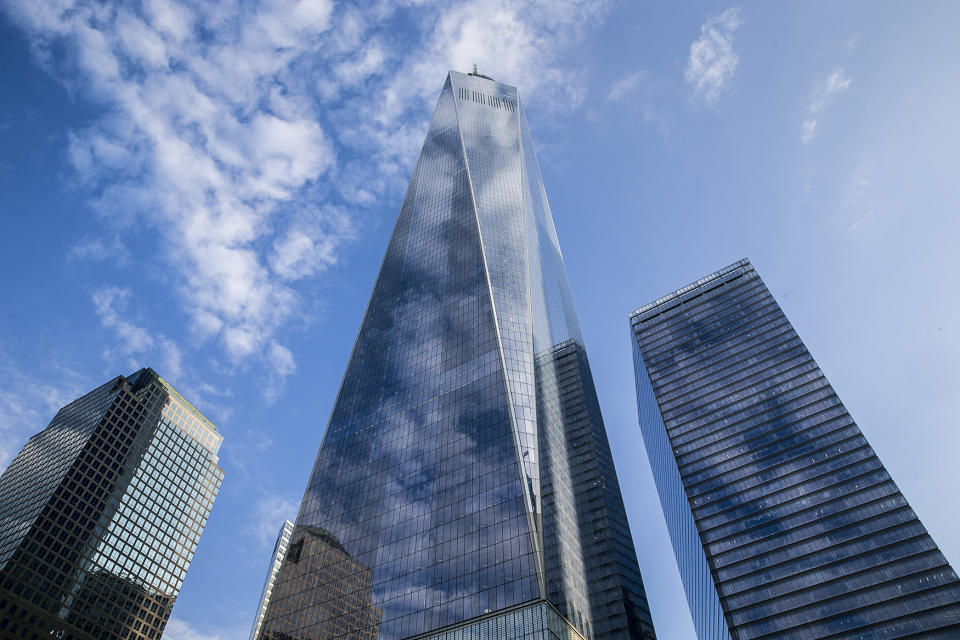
(464,487)
(279,553)
(101,512)
(784,522)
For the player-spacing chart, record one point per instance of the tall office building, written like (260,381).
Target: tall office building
(279,553)
(784,522)
(338,587)
(101,512)
(464,485)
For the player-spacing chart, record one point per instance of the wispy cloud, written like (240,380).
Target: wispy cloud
(625,85)
(242,451)
(269,513)
(29,402)
(527,44)
(641,95)
(853,210)
(713,61)
(245,135)
(109,247)
(178,629)
(205,137)
(826,94)
(133,345)
(282,364)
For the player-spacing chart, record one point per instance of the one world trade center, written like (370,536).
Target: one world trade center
(464,487)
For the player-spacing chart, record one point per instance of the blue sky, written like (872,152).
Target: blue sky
(208,190)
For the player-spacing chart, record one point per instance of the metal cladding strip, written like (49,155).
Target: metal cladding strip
(494,155)
(538,505)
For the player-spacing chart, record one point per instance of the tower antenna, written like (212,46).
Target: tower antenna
(478,74)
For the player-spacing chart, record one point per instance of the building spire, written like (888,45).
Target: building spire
(478,74)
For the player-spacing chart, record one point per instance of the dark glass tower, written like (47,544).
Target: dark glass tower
(101,512)
(784,522)
(465,475)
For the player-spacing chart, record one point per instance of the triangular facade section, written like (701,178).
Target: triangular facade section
(416,500)
(489,115)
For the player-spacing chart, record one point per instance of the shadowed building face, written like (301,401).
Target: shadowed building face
(465,466)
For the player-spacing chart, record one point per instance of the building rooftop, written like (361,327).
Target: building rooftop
(636,314)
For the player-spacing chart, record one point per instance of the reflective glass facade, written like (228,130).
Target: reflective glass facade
(538,621)
(101,512)
(276,560)
(784,522)
(465,468)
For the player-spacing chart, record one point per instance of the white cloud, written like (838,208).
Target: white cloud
(713,62)
(110,302)
(835,84)
(178,629)
(268,516)
(282,364)
(311,242)
(109,247)
(853,210)
(224,124)
(28,402)
(190,145)
(642,95)
(361,65)
(243,451)
(133,344)
(522,43)
(281,359)
(626,85)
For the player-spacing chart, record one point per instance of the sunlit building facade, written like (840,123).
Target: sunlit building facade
(464,487)
(784,522)
(101,513)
